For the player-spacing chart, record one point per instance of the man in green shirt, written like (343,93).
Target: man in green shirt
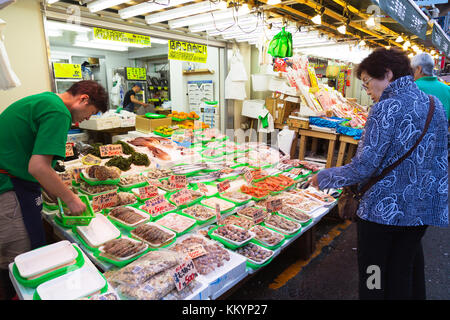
(33,135)
(423,66)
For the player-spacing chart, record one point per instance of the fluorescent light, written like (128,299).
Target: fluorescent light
(388,47)
(370,22)
(317,19)
(53,25)
(399,39)
(432,52)
(411,55)
(221,24)
(407,43)
(273,2)
(342,29)
(415,48)
(184,11)
(146,7)
(206,18)
(93,45)
(98,5)
(157,40)
(52,1)
(126,44)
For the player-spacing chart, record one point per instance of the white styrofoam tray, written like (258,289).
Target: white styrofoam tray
(155,245)
(35,262)
(99,231)
(101,249)
(144,217)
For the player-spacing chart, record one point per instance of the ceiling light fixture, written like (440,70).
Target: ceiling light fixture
(370,22)
(273,2)
(206,18)
(342,29)
(146,7)
(399,39)
(93,45)
(54,25)
(98,5)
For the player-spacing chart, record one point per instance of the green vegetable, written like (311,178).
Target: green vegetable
(126,148)
(119,162)
(139,159)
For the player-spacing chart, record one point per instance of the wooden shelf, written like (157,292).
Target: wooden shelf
(198,71)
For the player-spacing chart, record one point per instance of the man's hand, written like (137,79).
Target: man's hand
(76,206)
(313,181)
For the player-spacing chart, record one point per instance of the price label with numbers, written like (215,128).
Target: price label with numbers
(203,188)
(195,251)
(148,192)
(69,149)
(274,205)
(248,175)
(110,150)
(184,274)
(177,182)
(105,200)
(154,182)
(182,197)
(218,215)
(91,160)
(156,205)
(258,217)
(222,186)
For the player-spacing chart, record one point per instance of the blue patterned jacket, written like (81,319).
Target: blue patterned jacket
(416,191)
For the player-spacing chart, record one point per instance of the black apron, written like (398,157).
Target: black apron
(30,200)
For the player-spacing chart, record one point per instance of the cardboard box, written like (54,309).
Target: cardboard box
(147,125)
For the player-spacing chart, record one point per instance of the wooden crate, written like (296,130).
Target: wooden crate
(297,123)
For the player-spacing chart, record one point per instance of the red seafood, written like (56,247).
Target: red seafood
(150,144)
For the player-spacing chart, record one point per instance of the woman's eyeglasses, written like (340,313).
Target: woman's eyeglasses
(365,83)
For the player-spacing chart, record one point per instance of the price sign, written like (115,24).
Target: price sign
(222,186)
(91,160)
(156,205)
(184,274)
(110,150)
(154,182)
(148,192)
(66,178)
(274,205)
(248,175)
(218,215)
(195,251)
(203,188)
(69,149)
(259,216)
(105,200)
(76,174)
(181,197)
(177,182)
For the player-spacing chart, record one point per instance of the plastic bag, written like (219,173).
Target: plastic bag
(281,45)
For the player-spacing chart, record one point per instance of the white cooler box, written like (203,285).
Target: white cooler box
(101,123)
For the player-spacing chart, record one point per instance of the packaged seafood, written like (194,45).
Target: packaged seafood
(234,234)
(153,234)
(319,196)
(255,254)
(236,196)
(158,173)
(176,222)
(101,173)
(266,236)
(215,256)
(94,190)
(223,204)
(129,216)
(204,178)
(311,166)
(99,231)
(154,145)
(257,192)
(251,212)
(200,212)
(194,194)
(188,168)
(105,296)
(132,179)
(281,224)
(165,185)
(295,214)
(238,221)
(122,249)
(214,144)
(124,198)
(211,153)
(283,166)
(292,162)
(187,291)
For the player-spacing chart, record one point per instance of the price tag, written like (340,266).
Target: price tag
(258,217)
(181,197)
(248,175)
(177,182)
(154,182)
(66,178)
(91,160)
(110,150)
(203,188)
(195,251)
(222,186)
(76,174)
(156,205)
(69,149)
(218,215)
(148,192)
(104,201)
(184,274)
(274,205)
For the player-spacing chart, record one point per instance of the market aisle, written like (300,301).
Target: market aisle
(332,274)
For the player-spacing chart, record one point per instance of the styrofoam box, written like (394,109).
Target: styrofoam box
(77,137)
(128,122)
(101,123)
(99,231)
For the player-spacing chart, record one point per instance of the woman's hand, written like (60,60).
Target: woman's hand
(313,181)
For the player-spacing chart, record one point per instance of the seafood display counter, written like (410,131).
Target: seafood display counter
(186,224)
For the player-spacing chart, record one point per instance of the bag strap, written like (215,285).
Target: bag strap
(374,180)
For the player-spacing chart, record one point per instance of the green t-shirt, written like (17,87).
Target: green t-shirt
(37,124)
(431,85)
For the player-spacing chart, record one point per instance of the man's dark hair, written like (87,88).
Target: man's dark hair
(97,94)
(377,63)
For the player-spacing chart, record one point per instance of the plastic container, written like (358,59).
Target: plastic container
(168,222)
(95,182)
(283,231)
(121,262)
(152,244)
(99,231)
(228,242)
(92,195)
(69,221)
(225,206)
(158,215)
(265,244)
(143,214)
(200,221)
(237,202)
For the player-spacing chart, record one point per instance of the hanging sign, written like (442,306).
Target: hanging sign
(67,71)
(122,37)
(440,40)
(186,51)
(136,74)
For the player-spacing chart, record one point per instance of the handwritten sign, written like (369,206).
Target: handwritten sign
(184,274)
(69,149)
(110,150)
(156,205)
(154,182)
(76,174)
(218,215)
(148,192)
(274,205)
(222,186)
(177,182)
(91,160)
(181,197)
(248,175)
(203,188)
(195,251)
(105,200)
(66,178)
(259,216)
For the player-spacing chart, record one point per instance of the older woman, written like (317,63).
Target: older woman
(394,213)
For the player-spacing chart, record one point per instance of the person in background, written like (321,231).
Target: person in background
(130,101)
(393,214)
(33,136)
(423,68)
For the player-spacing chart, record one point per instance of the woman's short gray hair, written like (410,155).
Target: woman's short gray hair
(425,61)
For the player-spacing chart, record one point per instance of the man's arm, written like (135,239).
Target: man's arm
(40,168)
(134,100)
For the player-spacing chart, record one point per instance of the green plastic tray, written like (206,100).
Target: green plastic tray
(97,183)
(80,238)
(223,241)
(162,134)
(83,220)
(257,266)
(287,236)
(51,275)
(119,264)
